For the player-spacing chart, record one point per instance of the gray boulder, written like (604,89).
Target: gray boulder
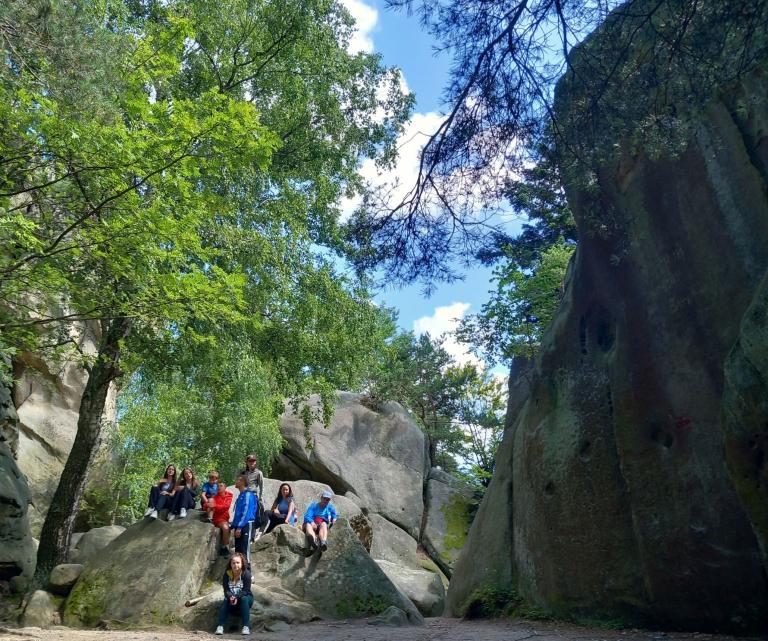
(448,519)
(342,582)
(391,543)
(293,584)
(40,612)
(17,549)
(380,456)
(90,543)
(424,588)
(144,575)
(391,617)
(63,577)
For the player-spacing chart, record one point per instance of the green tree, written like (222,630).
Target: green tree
(520,309)
(148,193)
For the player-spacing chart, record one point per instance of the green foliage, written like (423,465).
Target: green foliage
(521,308)
(490,601)
(459,408)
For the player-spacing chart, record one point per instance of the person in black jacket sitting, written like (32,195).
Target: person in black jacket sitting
(237,593)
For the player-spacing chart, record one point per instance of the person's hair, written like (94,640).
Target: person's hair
(213,473)
(175,472)
(243,478)
(221,484)
(182,478)
(241,556)
(280,494)
(251,457)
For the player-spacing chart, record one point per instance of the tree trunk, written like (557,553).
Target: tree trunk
(57,529)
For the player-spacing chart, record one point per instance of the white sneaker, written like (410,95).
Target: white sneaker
(183,513)
(245,630)
(171,517)
(219,629)
(148,511)
(257,535)
(153,514)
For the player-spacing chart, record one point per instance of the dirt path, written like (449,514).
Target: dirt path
(434,630)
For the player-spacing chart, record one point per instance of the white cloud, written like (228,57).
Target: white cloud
(444,320)
(366,18)
(400,179)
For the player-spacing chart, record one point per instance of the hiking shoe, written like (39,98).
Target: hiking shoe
(245,630)
(323,545)
(148,512)
(313,542)
(171,517)
(219,629)
(257,536)
(153,514)
(183,513)
(226,550)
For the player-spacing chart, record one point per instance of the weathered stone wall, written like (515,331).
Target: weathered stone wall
(613,496)
(47,399)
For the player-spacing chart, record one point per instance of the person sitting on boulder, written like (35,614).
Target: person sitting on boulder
(218,513)
(242,521)
(283,508)
(161,494)
(184,495)
(237,593)
(209,489)
(320,516)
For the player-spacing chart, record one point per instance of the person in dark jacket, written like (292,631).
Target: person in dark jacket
(237,593)
(161,494)
(184,494)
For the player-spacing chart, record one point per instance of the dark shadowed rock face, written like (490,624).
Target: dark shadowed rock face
(613,495)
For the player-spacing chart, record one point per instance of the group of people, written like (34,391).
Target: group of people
(249,521)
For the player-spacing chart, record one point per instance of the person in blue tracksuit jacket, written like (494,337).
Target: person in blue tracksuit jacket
(320,516)
(242,521)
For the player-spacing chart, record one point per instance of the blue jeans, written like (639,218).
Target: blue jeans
(243,606)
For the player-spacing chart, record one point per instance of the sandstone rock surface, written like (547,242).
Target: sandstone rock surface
(47,399)
(40,612)
(17,549)
(380,456)
(144,575)
(424,588)
(63,577)
(294,584)
(448,518)
(88,544)
(391,543)
(612,496)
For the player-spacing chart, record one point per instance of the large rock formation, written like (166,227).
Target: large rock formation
(380,456)
(143,575)
(448,518)
(17,549)
(612,495)
(47,399)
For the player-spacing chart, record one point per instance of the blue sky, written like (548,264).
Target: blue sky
(401,42)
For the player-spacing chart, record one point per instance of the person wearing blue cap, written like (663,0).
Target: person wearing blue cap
(320,516)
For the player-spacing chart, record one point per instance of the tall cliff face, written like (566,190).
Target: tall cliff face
(47,396)
(633,483)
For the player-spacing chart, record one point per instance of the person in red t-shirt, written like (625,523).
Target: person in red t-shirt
(218,512)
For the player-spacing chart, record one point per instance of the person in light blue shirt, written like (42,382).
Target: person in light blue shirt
(320,516)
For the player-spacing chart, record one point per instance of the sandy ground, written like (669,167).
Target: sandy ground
(434,630)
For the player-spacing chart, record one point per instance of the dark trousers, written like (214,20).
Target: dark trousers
(182,499)
(275,520)
(242,607)
(158,501)
(243,542)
